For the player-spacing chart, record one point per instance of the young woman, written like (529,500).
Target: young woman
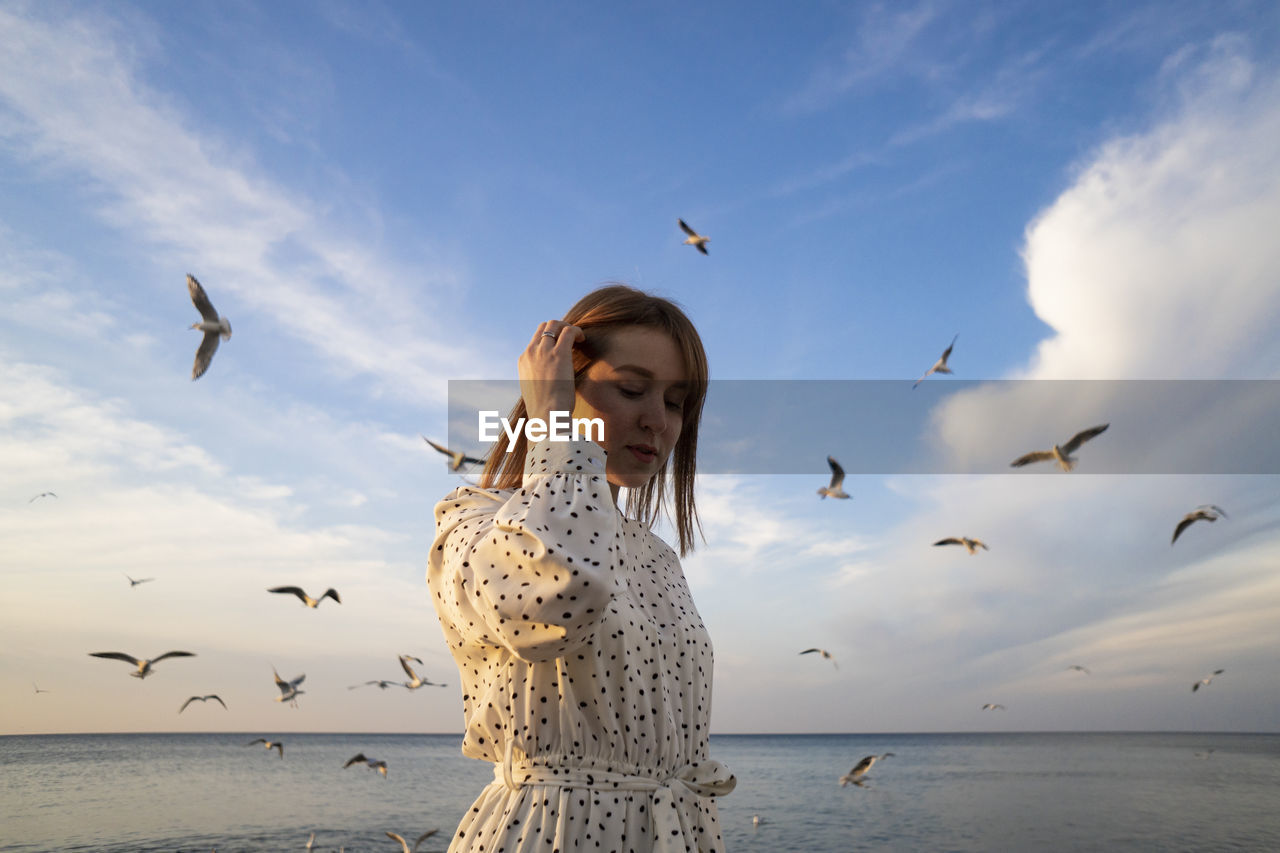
(586,670)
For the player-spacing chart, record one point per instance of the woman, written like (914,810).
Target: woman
(585,667)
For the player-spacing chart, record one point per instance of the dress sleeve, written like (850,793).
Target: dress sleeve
(529,571)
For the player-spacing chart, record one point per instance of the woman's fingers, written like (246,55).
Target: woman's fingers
(546,368)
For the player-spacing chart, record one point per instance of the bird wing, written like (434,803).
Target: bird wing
(331,593)
(946,353)
(186,703)
(1219,510)
(219,698)
(837,473)
(1034,456)
(423,837)
(294,684)
(951,541)
(1186,522)
(291,590)
(446,451)
(702,248)
(684,226)
(886,755)
(810,651)
(1083,436)
(980,544)
(404,845)
(256,740)
(1219,671)
(117,656)
(156,660)
(201,300)
(862,765)
(204,355)
(278,747)
(926,376)
(404,663)
(359,756)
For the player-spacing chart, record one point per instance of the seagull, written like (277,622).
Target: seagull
(306,599)
(374,764)
(144,666)
(276,745)
(202,699)
(1078,668)
(456,457)
(133,583)
(42,495)
(860,769)
(416,680)
(939,366)
(970,545)
(383,684)
(1061,453)
(826,654)
(39,689)
(404,845)
(1205,681)
(311,841)
(694,239)
(289,691)
(993,707)
(212,325)
(834,490)
(1204,512)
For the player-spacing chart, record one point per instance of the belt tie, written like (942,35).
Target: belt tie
(705,779)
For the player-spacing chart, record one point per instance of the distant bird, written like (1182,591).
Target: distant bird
(694,239)
(970,545)
(383,684)
(1062,454)
(833,489)
(306,599)
(143,665)
(1078,668)
(133,583)
(42,495)
(456,457)
(276,745)
(404,845)
(826,654)
(212,325)
(39,689)
(415,681)
(1204,512)
(993,707)
(202,699)
(939,366)
(1205,681)
(374,764)
(756,820)
(860,769)
(289,691)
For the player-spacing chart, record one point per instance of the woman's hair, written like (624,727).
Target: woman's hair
(600,313)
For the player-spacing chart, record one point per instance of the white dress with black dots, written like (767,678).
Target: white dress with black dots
(586,670)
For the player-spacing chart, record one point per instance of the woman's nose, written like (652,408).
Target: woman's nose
(653,416)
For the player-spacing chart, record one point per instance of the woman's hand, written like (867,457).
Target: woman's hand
(546,369)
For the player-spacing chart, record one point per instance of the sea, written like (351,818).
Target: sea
(945,792)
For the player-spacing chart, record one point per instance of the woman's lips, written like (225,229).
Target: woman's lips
(643,453)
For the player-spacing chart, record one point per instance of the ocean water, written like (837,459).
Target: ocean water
(947,792)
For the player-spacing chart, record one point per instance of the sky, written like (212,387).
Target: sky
(385,197)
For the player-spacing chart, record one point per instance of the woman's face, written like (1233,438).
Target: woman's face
(637,388)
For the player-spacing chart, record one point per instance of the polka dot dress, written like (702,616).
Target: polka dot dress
(586,670)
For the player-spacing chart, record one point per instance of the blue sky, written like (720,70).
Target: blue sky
(384,197)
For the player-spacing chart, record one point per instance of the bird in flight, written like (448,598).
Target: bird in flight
(289,691)
(306,599)
(202,699)
(456,457)
(939,366)
(860,769)
(374,764)
(826,654)
(1061,453)
(694,239)
(143,665)
(383,684)
(133,583)
(39,689)
(834,488)
(1205,681)
(991,706)
(415,681)
(213,326)
(42,495)
(404,845)
(276,745)
(970,545)
(1205,512)
(1078,668)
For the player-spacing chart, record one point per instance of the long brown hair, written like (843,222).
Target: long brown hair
(599,314)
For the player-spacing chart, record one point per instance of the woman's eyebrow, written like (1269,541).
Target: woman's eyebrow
(646,373)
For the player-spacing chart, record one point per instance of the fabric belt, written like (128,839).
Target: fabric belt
(706,779)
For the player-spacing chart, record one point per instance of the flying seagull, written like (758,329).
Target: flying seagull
(374,764)
(306,599)
(42,495)
(456,457)
(834,489)
(1061,453)
(212,325)
(860,769)
(144,666)
(1204,512)
(993,707)
(1078,668)
(276,745)
(39,689)
(826,654)
(970,545)
(939,366)
(415,681)
(1205,681)
(694,239)
(202,699)
(404,845)
(383,684)
(133,583)
(289,691)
